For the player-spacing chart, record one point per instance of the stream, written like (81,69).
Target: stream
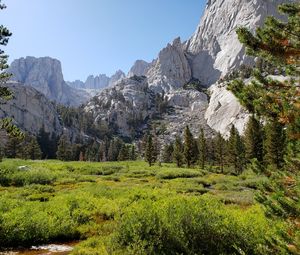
(51,249)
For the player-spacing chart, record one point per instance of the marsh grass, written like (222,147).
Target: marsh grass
(57,201)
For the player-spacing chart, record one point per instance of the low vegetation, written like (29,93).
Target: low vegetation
(131,208)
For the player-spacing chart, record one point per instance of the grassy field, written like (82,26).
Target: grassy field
(130,208)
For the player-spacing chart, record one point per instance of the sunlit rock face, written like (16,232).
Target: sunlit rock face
(224,111)
(171,70)
(128,103)
(45,75)
(31,110)
(212,52)
(139,68)
(214,49)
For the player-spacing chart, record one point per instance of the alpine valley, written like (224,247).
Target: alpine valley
(183,86)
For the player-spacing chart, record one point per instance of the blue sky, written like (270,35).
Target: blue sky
(97,36)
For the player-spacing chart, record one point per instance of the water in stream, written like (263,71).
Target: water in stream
(52,249)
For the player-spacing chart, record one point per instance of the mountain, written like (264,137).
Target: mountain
(213,51)
(45,75)
(97,82)
(31,110)
(139,68)
(178,88)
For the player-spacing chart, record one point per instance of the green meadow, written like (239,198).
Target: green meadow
(130,208)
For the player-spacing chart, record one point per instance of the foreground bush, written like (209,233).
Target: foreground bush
(192,226)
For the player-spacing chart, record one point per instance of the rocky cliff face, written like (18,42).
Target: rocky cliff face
(171,69)
(123,107)
(31,110)
(139,68)
(45,75)
(97,82)
(214,49)
(129,103)
(115,78)
(212,52)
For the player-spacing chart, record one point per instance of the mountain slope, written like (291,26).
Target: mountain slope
(45,75)
(212,52)
(214,49)
(31,110)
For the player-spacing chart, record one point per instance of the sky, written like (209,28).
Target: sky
(97,36)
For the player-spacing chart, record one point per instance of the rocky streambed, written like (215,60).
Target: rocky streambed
(51,249)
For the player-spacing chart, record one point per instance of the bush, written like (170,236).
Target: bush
(12,177)
(173,174)
(191,226)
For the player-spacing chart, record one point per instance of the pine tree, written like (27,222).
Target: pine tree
(168,153)
(275,144)
(189,147)
(12,147)
(220,151)
(178,152)
(235,151)
(124,153)
(5,93)
(110,153)
(202,149)
(150,154)
(211,152)
(102,152)
(64,151)
(132,155)
(32,149)
(254,140)
(43,139)
(278,42)
(241,159)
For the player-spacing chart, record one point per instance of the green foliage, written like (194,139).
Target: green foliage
(254,140)
(202,149)
(49,201)
(178,152)
(189,147)
(150,152)
(5,93)
(278,102)
(173,174)
(191,226)
(275,144)
(236,151)
(64,150)
(220,151)
(168,153)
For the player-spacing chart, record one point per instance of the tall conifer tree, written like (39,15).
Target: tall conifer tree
(202,149)
(188,147)
(254,140)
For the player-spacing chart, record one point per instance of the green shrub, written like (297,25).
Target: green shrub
(191,226)
(97,170)
(12,177)
(176,173)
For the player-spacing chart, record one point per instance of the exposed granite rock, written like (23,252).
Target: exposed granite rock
(124,106)
(224,111)
(45,75)
(214,49)
(98,82)
(171,70)
(78,84)
(140,68)
(119,75)
(31,110)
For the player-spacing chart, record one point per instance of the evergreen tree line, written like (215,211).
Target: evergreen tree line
(264,145)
